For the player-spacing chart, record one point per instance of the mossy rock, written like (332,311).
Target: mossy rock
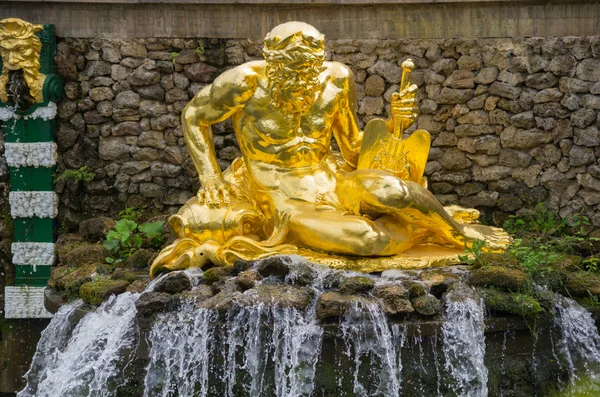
(501,278)
(503,259)
(356,285)
(140,259)
(67,243)
(70,279)
(332,304)
(86,254)
(394,298)
(215,274)
(427,305)
(285,296)
(583,283)
(138,286)
(129,275)
(96,292)
(95,229)
(522,305)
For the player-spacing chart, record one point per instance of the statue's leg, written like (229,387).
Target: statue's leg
(381,192)
(336,232)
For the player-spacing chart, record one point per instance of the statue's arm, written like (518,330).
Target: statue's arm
(213,104)
(345,125)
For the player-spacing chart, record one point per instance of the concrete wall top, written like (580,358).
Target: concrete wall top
(338,19)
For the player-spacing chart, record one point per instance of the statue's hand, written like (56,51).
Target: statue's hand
(404,104)
(216,192)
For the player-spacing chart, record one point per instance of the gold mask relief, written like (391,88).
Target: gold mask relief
(21,82)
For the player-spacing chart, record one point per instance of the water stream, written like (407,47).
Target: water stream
(90,360)
(464,345)
(262,349)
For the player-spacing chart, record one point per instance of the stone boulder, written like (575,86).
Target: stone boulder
(394,298)
(140,259)
(501,278)
(334,305)
(173,283)
(356,285)
(216,274)
(153,302)
(284,296)
(66,243)
(85,254)
(95,229)
(247,279)
(583,284)
(427,305)
(273,266)
(96,292)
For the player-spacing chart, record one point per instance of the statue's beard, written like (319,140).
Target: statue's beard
(19,95)
(293,90)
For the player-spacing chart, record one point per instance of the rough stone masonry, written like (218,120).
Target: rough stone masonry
(514,122)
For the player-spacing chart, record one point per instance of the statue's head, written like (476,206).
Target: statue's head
(20,50)
(294,52)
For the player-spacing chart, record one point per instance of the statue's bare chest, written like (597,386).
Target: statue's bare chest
(278,125)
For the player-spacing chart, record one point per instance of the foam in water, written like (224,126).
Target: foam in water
(464,346)
(92,360)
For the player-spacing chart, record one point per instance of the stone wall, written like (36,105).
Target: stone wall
(514,122)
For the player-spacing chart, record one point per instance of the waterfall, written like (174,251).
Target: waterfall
(91,360)
(262,350)
(369,342)
(464,344)
(52,341)
(578,346)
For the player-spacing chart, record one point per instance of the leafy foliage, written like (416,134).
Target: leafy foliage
(128,236)
(472,254)
(200,49)
(82,174)
(131,213)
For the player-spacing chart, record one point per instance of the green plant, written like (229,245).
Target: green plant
(82,174)
(200,49)
(591,264)
(128,236)
(174,56)
(472,255)
(539,260)
(63,229)
(131,213)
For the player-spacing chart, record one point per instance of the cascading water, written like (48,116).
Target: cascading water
(578,348)
(91,360)
(180,356)
(257,347)
(52,342)
(464,344)
(370,344)
(266,350)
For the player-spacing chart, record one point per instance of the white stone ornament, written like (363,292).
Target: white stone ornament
(42,154)
(33,254)
(25,302)
(33,204)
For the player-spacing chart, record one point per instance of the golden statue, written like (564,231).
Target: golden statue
(20,51)
(366,208)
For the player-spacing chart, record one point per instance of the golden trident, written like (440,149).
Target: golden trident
(405,158)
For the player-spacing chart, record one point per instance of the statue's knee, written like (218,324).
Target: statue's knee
(370,241)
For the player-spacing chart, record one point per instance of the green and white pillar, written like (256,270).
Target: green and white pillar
(31,155)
